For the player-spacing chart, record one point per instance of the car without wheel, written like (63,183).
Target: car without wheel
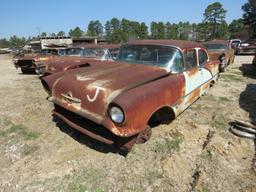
(150,81)
(221,50)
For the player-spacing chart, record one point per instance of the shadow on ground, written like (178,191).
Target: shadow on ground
(85,140)
(248,70)
(247,101)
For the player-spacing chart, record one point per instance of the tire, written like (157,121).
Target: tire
(238,132)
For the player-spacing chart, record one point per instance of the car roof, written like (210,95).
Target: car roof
(219,41)
(176,43)
(93,46)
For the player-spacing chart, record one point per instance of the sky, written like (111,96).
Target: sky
(29,17)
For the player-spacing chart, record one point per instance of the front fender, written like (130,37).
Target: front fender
(140,103)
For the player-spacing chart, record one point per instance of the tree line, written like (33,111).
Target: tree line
(213,26)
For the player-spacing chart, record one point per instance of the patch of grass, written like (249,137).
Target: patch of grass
(207,154)
(223,99)
(88,179)
(99,190)
(232,77)
(205,189)
(168,145)
(29,149)
(75,187)
(19,130)
(219,124)
(237,72)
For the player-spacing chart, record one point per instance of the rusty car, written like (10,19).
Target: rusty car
(26,62)
(150,81)
(222,50)
(81,57)
(246,47)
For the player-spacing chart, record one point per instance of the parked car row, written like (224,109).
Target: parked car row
(221,50)
(243,47)
(116,99)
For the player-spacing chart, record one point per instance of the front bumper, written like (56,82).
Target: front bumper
(91,129)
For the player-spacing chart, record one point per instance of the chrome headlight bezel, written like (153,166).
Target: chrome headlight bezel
(116,114)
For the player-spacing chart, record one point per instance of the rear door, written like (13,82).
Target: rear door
(192,72)
(206,75)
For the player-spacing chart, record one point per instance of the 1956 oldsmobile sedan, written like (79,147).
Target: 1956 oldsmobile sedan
(151,80)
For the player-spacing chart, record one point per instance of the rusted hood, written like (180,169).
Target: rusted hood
(26,57)
(63,63)
(214,55)
(90,90)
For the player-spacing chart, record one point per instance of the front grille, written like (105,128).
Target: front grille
(25,63)
(86,123)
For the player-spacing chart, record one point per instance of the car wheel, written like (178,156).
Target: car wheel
(144,136)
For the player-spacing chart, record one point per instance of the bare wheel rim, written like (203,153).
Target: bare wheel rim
(144,135)
(240,133)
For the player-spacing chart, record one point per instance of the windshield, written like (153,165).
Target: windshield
(62,52)
(156,55)
(215,46)
(99,53)
(74,52)
(49,52)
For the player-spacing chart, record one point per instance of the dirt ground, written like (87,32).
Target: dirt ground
(196,152)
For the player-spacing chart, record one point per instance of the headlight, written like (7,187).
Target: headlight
(116,114)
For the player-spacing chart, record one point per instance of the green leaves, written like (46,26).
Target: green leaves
(249,16)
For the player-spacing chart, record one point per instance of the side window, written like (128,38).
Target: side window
(202,57)
(177,63)
(190,58)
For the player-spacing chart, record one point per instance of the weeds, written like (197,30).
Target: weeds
(75,187)
(29,149)
(231,77)
(223,99)
(76,181)
(205,189)
(18,130)
(168,146)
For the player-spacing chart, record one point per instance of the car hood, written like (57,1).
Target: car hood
(25,57)
(89,91)
(62,64)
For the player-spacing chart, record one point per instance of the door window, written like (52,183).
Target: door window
(191,60)
(202,57)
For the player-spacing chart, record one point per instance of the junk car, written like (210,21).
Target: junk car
(221,49)
(150,81)
(246,47)
(85,56)
(27,61)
